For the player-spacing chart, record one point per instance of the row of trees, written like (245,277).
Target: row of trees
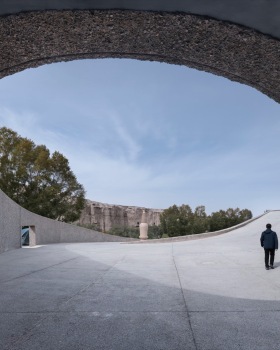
(180,221)
(38,181)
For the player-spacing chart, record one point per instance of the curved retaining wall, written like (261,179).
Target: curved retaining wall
(13,217)
(10,224)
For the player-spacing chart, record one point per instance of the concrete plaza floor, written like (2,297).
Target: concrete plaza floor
(208,294)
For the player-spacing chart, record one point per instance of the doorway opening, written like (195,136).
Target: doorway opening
(28,236)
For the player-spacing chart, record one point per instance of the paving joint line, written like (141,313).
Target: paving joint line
(24,337)
(35,271)
(99,280)
(185,302)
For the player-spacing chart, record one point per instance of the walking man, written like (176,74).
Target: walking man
(269,241)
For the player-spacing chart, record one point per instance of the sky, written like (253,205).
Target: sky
(151,134)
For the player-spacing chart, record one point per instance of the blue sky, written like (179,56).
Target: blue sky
(151,134)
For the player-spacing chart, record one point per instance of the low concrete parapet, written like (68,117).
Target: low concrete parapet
(201,235)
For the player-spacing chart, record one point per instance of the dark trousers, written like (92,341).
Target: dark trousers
(267,253)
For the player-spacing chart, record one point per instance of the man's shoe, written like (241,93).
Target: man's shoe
(267,267)
(271,266)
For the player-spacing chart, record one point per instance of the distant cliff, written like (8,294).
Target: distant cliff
(105,216)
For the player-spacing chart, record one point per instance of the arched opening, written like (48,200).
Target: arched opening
(135,131)
(34,39)
(235,52)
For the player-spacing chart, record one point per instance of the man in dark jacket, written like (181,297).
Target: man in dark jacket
(269,241)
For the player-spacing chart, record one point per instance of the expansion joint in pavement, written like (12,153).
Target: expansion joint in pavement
(185,302)
(92,283)
(39,270)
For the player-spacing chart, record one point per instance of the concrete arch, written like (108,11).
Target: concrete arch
(31,39)
(238,40)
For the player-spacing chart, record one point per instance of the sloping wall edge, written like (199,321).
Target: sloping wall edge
(13,217)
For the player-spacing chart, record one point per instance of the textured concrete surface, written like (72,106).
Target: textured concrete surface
(262,15)
(211,294)
(13,217)
(10,224)
(241,54)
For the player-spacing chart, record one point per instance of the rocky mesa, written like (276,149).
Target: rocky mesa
(105,216)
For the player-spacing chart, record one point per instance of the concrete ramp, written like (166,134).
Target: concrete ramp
(210,294)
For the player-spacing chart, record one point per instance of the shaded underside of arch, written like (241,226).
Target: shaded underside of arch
(238,53)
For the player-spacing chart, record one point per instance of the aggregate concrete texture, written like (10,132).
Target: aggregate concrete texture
(211,294)
(238,40)
(261,15)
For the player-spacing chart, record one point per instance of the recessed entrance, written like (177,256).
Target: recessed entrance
(28,236)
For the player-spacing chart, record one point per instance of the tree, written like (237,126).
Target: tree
(231,217)
(176,221)
(124,231)
(245,214)
(38,181)
(218,221)
(200,220)
(179,221)
(154,232)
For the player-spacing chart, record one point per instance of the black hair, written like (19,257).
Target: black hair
(268,225)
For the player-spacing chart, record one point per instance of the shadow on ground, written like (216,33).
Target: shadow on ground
(102,296)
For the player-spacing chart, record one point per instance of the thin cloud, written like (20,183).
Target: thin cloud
(28,124)
(130,146)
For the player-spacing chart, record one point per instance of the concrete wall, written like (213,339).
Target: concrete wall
(10,224)
(13,217)
(261,15)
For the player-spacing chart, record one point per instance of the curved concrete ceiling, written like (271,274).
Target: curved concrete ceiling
(239,41)
(262,15)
